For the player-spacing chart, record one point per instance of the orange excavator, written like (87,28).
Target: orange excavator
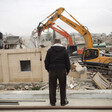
(71,48)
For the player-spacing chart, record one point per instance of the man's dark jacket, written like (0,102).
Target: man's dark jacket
(57,59)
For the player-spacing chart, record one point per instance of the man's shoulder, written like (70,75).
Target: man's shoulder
(57,48)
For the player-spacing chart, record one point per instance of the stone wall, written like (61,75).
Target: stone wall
(21,65)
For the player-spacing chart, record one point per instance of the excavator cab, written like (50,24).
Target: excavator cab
(91,57)
(71,49)
(90,54)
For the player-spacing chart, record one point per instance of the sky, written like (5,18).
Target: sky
(21,17)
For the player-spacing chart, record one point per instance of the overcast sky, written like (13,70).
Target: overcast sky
(20,17)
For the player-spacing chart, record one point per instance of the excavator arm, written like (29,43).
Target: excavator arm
(60,31)
(81,29)
(76,25)
(52,17)
(63,33)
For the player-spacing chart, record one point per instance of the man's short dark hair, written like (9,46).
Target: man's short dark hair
(57,40)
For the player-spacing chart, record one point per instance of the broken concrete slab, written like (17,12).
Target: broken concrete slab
(81,71)
(101,81)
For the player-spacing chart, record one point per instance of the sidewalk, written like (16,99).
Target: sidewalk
(44,94)
(41,98)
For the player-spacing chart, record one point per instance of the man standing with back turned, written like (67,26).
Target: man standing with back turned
(57,63)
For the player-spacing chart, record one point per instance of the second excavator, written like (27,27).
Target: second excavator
(71,46)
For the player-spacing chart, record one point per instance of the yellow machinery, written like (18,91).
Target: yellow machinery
(91,56)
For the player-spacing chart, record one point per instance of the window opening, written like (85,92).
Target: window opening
(25,65)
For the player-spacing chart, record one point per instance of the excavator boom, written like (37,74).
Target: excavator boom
(63,33)
(76,25)
(81,29)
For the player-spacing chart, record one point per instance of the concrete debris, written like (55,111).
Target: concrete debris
(82,71)
(84,74)
(101,81)
(79,84)
(73,67)
(71,86)
(70,80)
(77,67)
(24,86)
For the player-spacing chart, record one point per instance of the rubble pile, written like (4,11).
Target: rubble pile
(79,84)
(72,84)
(88,79)
(24,86)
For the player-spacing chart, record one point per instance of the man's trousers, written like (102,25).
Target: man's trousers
(53,76)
